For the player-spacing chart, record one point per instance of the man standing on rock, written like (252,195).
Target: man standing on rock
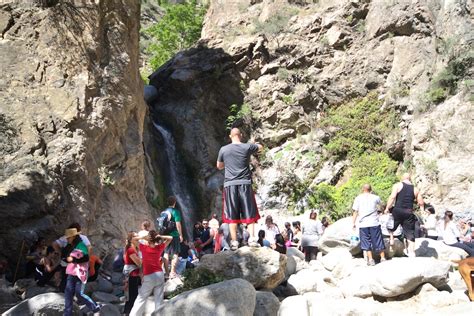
(404,194)
(366,206)
(239,205)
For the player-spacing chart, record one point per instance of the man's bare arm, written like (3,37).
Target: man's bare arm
(419,199)
(220,165)
(180,231)
(392,197)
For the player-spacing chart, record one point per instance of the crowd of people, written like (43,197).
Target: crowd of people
(398,219)
(151,256)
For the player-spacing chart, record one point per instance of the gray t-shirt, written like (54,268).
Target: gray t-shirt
(236,158)
(367,205)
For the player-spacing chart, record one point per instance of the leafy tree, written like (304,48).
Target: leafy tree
(179,29)
(377,169)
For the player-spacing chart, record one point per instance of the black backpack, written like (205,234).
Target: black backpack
(164,225)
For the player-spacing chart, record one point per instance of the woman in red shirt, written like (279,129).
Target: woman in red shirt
(151,247)
(132,269)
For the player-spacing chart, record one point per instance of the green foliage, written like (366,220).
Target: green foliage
(105,176)
(238,112)
(377,169)
(360,27)
(446,82)
(361,126)
(196,278)
(288,99)
(179,29)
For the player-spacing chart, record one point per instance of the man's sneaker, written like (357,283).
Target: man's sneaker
(371,262)
(383,259)
(408,254)
(253,242)
(234,245)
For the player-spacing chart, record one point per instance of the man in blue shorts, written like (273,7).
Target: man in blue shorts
(366,206)
(239,205)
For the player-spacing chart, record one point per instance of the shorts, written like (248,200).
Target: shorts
(239,205)
(371,238)
(407,219)
(174,247)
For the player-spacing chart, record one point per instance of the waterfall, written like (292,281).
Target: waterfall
(176,182)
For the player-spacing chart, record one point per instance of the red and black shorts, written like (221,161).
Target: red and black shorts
(239,205)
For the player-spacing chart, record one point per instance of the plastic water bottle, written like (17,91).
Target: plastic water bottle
(354,240)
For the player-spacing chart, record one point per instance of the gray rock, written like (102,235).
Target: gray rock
(400,276)
(22,285)
(7,293)
(105,285)
(231,297)
(335,257)
(425,247)
(290,266)
(171,285)
(51,304)
(109,310)
(267,304)
(117,278)
(338,235)
(263,267)
(294,305)
(105,297)
(36,290)
(294,252)
(308,280)
(91,287)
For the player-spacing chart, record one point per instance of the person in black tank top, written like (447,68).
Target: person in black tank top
(404,195)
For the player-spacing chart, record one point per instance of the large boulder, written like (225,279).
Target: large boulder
(400,276)
(308,280)
(290,266)
(231,297)
(425,247)
(266,304)
(294,305)
(50,304)
(172,285)
(322,305)
(36,290)
(263,267)
(7,294)
(335,257)
(294,252)
(347,267)
(338,235)
(105,297)
(105,285)
(358,283)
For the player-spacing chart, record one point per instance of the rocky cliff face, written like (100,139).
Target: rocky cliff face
(71,121)
(295,60)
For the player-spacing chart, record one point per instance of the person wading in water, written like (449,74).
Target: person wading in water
(239,202)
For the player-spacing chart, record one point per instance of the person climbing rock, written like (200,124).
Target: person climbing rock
(404,194)
(173,249)
(239,199)
(365,215)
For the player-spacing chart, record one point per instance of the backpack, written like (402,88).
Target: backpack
(164,225)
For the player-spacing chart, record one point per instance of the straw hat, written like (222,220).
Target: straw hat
(70,232)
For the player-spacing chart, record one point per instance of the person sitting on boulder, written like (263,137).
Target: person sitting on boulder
(312,231)
(288,234)
(430,223)
(280,244)
(48,268)
(206,238)
(450,234)
(365,215)
(261,239)
(296,241)
(94,266)
(325,222)
(271,230)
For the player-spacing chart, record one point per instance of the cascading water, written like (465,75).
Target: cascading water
(176,181)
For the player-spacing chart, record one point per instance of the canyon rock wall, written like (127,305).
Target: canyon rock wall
(71,121)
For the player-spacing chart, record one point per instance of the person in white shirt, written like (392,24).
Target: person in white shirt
(271,230)
(430,223)
(450,234)
(386,223)
(365,215)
